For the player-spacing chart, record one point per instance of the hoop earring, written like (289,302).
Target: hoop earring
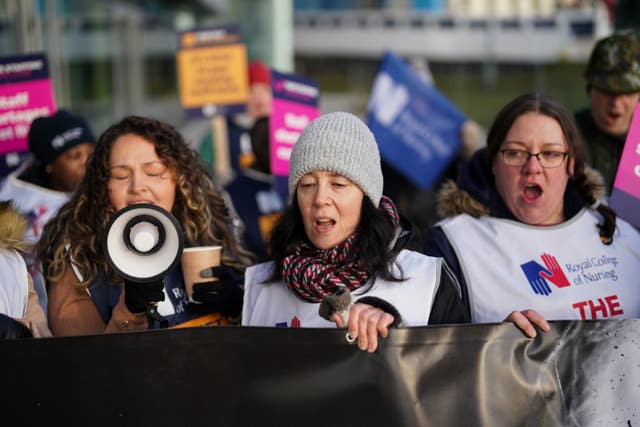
(48,169)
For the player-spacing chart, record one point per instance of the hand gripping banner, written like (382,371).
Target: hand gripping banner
(580,373)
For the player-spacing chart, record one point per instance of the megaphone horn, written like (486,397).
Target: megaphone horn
(144,234)
(143,242)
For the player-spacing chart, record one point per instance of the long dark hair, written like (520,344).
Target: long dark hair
(374,235)
(548,106)
(76,231)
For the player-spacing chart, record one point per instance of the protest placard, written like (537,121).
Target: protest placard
(417,128)
(213,82)
(212,71)
(25,93)
(625,196)
(295,105)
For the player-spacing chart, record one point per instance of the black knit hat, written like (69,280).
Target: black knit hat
(51,136)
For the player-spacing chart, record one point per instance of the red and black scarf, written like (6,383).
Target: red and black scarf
(311,273)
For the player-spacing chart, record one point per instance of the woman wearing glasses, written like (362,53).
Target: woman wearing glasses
(524,231)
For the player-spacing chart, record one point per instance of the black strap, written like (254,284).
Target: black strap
(153,316)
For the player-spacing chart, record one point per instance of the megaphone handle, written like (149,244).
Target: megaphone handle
(153,316)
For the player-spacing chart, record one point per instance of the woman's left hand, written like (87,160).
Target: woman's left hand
(365,324)
(525,320)
(224,295)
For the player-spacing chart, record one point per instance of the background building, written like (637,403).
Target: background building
(108,59)
(481,53)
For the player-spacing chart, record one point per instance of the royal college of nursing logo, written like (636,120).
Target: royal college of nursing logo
(588,270)
(295,323)
(539,276)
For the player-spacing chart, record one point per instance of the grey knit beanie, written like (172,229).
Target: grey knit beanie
(341,143)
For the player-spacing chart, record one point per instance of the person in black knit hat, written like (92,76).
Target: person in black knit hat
(60,145)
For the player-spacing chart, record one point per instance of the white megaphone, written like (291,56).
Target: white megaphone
(143,242)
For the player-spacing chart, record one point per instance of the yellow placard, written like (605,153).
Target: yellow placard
(266,224)
(213,75)
(213,319)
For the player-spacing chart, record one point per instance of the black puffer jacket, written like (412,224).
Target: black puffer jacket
(448,306)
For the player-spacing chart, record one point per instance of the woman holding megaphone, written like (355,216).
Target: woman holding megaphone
(138,161)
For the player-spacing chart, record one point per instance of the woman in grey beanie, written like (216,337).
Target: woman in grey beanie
(340,237)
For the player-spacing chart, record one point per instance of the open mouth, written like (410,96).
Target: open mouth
(531,192)
(613,116)
(324,223)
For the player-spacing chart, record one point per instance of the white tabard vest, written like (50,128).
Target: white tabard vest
(39,204)
(563,272)
(275,305)
(14,284)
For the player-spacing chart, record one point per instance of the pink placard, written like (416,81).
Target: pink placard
(288,119)
(628,174)
(20,103)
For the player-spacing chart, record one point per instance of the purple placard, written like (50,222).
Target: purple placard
(25,93)
(625,196)
(21,68)
(210,36)
(295,105)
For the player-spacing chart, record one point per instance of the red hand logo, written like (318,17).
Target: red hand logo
(557,276)
(295,322)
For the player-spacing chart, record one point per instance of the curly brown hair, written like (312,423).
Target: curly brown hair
(75,233)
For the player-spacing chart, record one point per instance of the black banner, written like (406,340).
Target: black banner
(577,374)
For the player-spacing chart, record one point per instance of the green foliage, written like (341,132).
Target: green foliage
(478,90)
(480,97)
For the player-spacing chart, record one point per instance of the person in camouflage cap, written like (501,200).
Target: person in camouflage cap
(613,86)
(614,65)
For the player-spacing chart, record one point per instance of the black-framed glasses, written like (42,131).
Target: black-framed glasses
(547,159)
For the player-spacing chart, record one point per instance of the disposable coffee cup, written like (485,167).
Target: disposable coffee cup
(193,261)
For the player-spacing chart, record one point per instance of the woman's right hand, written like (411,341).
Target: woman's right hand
(139,296)
(525,320)
(365,324)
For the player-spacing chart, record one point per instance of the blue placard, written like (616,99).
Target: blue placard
(417,128)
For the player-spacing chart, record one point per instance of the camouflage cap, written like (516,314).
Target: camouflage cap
(614,65)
